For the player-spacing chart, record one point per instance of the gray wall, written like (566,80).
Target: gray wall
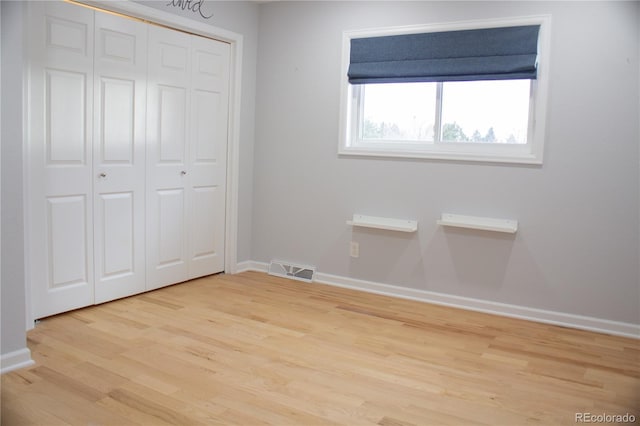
(576,250)
(12,316)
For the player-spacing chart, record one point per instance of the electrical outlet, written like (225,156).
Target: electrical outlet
(354,249)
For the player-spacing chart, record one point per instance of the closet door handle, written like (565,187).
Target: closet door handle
(102,175)
(183,173)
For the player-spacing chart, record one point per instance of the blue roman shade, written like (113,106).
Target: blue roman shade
(505,53)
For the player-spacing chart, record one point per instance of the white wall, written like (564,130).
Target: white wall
(576,251)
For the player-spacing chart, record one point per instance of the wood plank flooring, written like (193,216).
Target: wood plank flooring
(253,349)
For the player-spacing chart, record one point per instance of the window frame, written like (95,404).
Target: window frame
(530,153)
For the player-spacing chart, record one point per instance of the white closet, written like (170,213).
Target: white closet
(127,139)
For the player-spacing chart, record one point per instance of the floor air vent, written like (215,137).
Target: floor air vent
(296,272)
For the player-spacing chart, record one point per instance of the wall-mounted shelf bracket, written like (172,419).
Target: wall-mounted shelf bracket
(482,223)
(400,225)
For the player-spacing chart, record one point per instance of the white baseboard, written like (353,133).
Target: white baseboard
(15,360)
(486,306)
(250,265)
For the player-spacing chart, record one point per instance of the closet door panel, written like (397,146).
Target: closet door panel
(203,207)
(65,94)
(208,155)
(59,208)
(171,229)
(67,241)
(187,155)
(172,126)
(167,150)
(206,105)
(117,211)
(119,156)
(117,133)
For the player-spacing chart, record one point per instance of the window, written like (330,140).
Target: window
(472,91)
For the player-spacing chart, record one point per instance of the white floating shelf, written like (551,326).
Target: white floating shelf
(400,225)
(482,223)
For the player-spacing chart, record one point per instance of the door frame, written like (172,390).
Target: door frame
(180,23)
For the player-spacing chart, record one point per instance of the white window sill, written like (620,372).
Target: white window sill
(512,157)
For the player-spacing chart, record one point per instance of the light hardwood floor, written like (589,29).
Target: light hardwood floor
(252,349)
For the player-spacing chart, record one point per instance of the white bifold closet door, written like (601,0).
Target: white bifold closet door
(120,79)
(126,163)
(60,156)
(186,156)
